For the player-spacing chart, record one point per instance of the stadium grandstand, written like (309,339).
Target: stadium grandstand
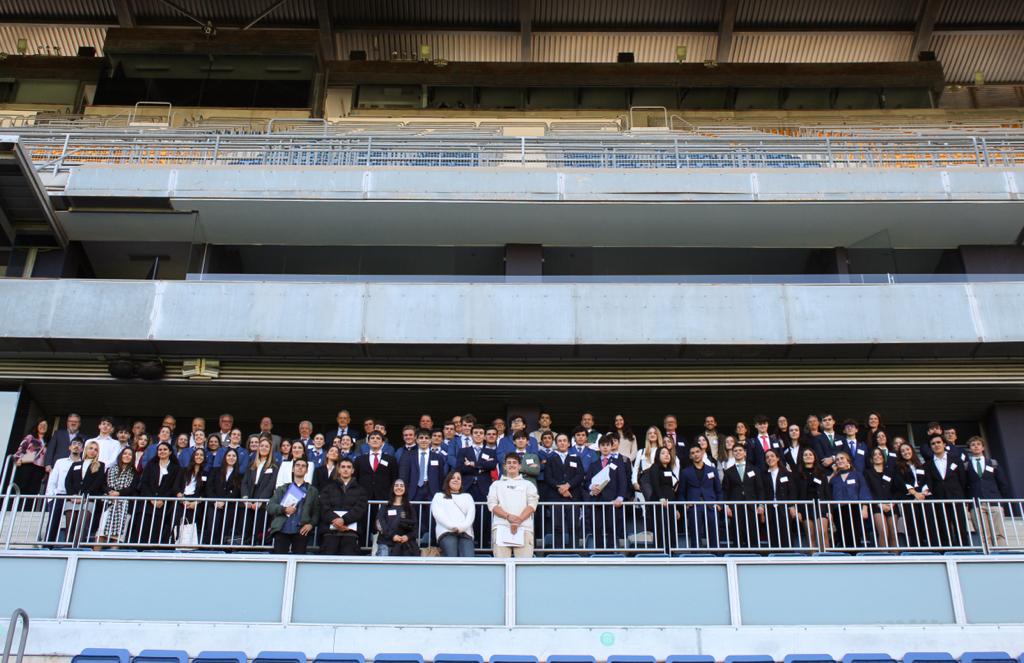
(689,331)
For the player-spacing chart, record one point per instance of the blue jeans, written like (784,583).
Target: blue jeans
(453,545)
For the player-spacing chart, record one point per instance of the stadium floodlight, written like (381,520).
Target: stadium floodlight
(425,52)
(22,46)
(681,53)
(979,78)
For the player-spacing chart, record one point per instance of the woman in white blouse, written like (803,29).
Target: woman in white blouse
(453,512)
(627,439)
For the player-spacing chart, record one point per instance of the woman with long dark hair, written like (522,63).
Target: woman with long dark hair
(397,525)
(453,512)
(627,439)
(913,490)
(224,486)
(159,481)
(30,463)
(812,486)
(121,482)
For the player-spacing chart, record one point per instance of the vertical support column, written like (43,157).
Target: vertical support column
(9,401)
(1005,426)
(843,264)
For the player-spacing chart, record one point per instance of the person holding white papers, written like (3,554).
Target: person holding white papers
(605,483)
(512,501)
(293,510)
(343,505)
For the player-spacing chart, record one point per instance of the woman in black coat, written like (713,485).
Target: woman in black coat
(258,487)
(882,482)
(224,486)
(159,482)
(913,490)
(396,525)
(84,478)
(812,485)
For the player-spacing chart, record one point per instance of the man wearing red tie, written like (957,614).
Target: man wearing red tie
(761,442)
(375,472)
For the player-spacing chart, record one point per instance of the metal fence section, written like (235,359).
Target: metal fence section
(65,522)
(63,151)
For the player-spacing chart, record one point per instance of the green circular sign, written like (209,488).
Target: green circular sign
(607,639)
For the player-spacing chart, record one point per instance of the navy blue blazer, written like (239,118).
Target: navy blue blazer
(755,453)
(991,484)
(476,478)
(699,485)
(854,487)
(409,472)
(860,456)
(587,456)
(616,487)
(571,472)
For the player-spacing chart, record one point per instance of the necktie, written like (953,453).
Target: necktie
(604,462)
(739,468)
(375,462)
(980,465)
(764,442)
(423,467)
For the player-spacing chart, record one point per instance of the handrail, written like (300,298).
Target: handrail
(18,613)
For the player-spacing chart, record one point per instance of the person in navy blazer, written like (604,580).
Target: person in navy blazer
(581,447)
(698,482)
(608,522)
(987,481)
(409,470)
(475,463)
(760,442)
(854,446)
(743,482)
(824,443)
(849,521)
(563,476)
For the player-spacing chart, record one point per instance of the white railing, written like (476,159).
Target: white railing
(37,521)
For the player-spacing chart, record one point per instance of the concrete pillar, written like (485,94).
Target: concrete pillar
(9,418)
(1005,429)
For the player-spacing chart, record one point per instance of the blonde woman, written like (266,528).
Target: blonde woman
(646,457)
(85,478)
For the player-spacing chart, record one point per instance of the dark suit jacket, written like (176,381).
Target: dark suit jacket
(216,486)
(93,483)
(954,485)
(476,480)
(260,487)
(782,489)
(377,484)
(991,485)
(749,487)
(699,485)
(884,486)
(151,484)
(409,472)
(616,487)
(571,472)
(59,446)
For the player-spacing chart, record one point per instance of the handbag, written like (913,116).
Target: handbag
(188,536)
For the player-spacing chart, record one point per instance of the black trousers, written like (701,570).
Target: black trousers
(290,543)
(339,544)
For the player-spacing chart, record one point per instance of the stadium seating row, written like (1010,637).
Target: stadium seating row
(98,655)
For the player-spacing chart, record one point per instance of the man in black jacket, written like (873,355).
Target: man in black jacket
(987,482)
(60,444)
(343,506)
(743,483)
(947,479)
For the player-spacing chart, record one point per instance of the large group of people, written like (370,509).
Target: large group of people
(463,484)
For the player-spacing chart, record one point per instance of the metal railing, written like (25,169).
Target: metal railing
(63,151)
(12,625)
(63,522)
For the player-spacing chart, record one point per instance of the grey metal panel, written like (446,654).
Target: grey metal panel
(499,314)
(999,56)
(816,12)
(101,11)
(613,12)
(821,46)
(293,13)
(991,12)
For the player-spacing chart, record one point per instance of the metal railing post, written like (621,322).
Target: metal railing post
(11,626)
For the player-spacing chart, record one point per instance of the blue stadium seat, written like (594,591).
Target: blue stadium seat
(398,658)
(330,657)
(651,555)
(161,656)
(221,657)
(280,657)
(563,555)
(920,553)
(927,657)
(788,554)
(830,553)
(609,555)
(753,658)
(102,655)
(512,658)
(950,553)
(631,659)
(808,658)
(986,657)
(690,658)
(570,659)
(868,658)
(458,658)
(742,555)
(875,554)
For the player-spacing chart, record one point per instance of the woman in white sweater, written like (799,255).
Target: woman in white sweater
(646,457)
(453,512)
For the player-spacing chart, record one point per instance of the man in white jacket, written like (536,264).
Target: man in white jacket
(512,501)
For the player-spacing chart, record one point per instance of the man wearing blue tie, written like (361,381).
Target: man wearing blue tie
(422,470)
(851,445)
(581,448)
(606,518)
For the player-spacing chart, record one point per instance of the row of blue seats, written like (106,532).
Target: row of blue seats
(96,655)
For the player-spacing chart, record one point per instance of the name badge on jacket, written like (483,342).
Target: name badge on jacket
(433,463)
(711,475)
(383,462)
(852,482)
(751,473)
(572,463)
